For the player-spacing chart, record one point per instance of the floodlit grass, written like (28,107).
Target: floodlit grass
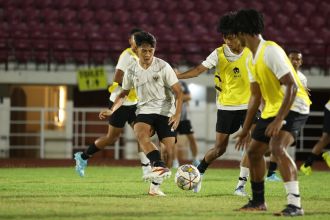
(119,193)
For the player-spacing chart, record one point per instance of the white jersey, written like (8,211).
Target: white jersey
(302,78)
(328,105)
(212,60)
(153,87)
(125,60)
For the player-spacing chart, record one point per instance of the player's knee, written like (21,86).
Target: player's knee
(219,150)
(278,152)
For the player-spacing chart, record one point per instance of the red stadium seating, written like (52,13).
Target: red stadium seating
(184,29)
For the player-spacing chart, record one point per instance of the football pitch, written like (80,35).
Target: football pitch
(120,193)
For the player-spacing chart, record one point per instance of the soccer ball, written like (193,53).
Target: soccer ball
(187,177)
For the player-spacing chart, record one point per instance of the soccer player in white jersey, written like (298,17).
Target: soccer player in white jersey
(286,109)
(306,167)
(233,93)
(296,59)
(124,114)
(159,106)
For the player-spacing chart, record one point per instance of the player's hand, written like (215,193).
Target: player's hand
(174,121)
(243,138)
(105,113)
(273,129)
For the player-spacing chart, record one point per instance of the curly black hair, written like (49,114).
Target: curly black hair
(249,21)
(226,24)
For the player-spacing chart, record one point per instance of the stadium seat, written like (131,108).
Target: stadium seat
(324,9)
(48,15)
(23,3)
(74,32)
(22,50)
(290,8)
(307,8)
(61,4)
(99,51)
(78,4)
(31,15)
(158,17)
(98,4)
(282,20)
(19,31)
(80,52)
(41,4)
(61,51)
(115,5)
(41,51)
(298,21)
(67,15)
(56,32)
(102,16)
(12,15)
(37,31)
(133,5)
(85,15)
(140,17)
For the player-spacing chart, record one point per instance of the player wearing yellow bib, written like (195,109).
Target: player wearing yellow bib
(306,168)
(286,109)
(125,113)
(232,88)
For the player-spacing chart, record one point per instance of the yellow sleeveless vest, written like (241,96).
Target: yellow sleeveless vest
(132,96)
(231,80)
(270,87)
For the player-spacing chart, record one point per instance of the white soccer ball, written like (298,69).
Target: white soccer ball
(187,177)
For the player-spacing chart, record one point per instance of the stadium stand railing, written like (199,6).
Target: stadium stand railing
(33,132)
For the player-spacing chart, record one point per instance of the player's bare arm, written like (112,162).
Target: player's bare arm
(175,119)
(193,72)
(118,77)
(116,105)
(290,93)
(243,137)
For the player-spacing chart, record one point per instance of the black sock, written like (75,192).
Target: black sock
(154,157)
(271,169)
(202,166)
(258,192)
(311,159)
(92,149)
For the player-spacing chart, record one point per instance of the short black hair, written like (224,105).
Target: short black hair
(226,24)
(249,21)
(294,51)
(144,37)
(135,30)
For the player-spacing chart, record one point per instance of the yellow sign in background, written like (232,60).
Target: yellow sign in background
(92,79)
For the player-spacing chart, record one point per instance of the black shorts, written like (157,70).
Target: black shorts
(185,127)
(326,121)
(258,116)
(229,121)
(159,123)
(294,122)
(122,115)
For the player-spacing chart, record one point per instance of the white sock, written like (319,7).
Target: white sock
(243,176)
(293,195)
(144,159)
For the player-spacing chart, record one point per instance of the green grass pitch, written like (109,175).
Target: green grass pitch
(120,193)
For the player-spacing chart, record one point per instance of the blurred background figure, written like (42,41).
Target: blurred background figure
(185,130)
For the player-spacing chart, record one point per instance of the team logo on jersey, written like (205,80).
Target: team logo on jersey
(236,72)
(155,77)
